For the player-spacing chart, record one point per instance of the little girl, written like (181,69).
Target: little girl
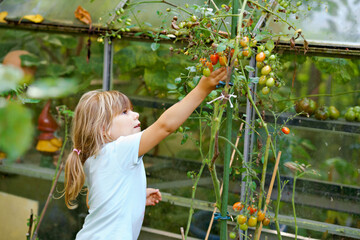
(108,150)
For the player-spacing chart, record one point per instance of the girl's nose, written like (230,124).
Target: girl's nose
(136,115)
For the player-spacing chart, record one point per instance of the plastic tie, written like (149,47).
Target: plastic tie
(217,216)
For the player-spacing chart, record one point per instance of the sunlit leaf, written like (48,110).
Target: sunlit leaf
(34,18)
(3,16)
(10,77)
(52,88)
(83,15)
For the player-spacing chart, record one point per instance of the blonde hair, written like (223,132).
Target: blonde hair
(92,119)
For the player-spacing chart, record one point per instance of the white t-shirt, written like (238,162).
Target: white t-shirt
(117,191)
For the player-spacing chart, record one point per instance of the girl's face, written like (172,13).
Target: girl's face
(125,124)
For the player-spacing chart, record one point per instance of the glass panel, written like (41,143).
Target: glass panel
(327,23)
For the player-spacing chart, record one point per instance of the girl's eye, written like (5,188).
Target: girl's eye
(125,112)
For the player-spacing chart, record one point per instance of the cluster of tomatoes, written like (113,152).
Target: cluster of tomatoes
(309,107)
(250,217)
(353,114)
(208,66)
(264,62)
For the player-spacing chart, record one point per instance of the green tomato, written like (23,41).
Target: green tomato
(333,113)
(266,70)
(206,72)
(350,116)
(270,82)
(261,48)
(232,235)
(267,53)
(244,226)
(299,3)
(272,57)
(193,18)
(265,90)
(357,109)
(262,80)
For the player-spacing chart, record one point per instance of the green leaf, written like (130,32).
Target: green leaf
(31,60)
(270,45)
(16,129)
(221,47)
(10,78)
(52,88)
(254,79)
(249,68)
(125,59)
(155,46)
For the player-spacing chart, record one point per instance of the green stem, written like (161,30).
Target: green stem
(274,152)
(57,173)
(262,183)
(191,211)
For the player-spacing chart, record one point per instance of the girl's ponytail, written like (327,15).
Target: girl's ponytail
(74,178)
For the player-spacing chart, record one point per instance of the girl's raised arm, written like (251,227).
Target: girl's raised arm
(176,115)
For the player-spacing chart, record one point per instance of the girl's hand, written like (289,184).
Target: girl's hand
(153,196)
(209,83)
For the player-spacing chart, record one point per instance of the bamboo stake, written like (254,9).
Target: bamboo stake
(270,190)
(231,161)
(182,233)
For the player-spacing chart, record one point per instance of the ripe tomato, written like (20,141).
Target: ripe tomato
(270,82)
(214,58)
(285,130)
(265,90)
(243,227)
(266,70)
(246,52)
(232,235)
(237,206)
(260,57)
(266,221)
(244,41)
(252,221)
(223,60)
(206,72)
(232,52)
(261,216)
(202,61)
(252,209)
(241,219)
(209,65)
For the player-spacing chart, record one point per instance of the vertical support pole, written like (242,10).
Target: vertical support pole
(108,65)
(248,139)
(227,155)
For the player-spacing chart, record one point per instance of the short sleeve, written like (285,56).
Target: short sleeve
(125,150)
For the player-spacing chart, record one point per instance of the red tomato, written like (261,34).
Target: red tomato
(252,209)
(237,206)
(210,66)
(214,58)
(232,52)
(285,130)
(202,61)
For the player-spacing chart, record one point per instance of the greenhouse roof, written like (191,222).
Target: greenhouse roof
(333,24)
